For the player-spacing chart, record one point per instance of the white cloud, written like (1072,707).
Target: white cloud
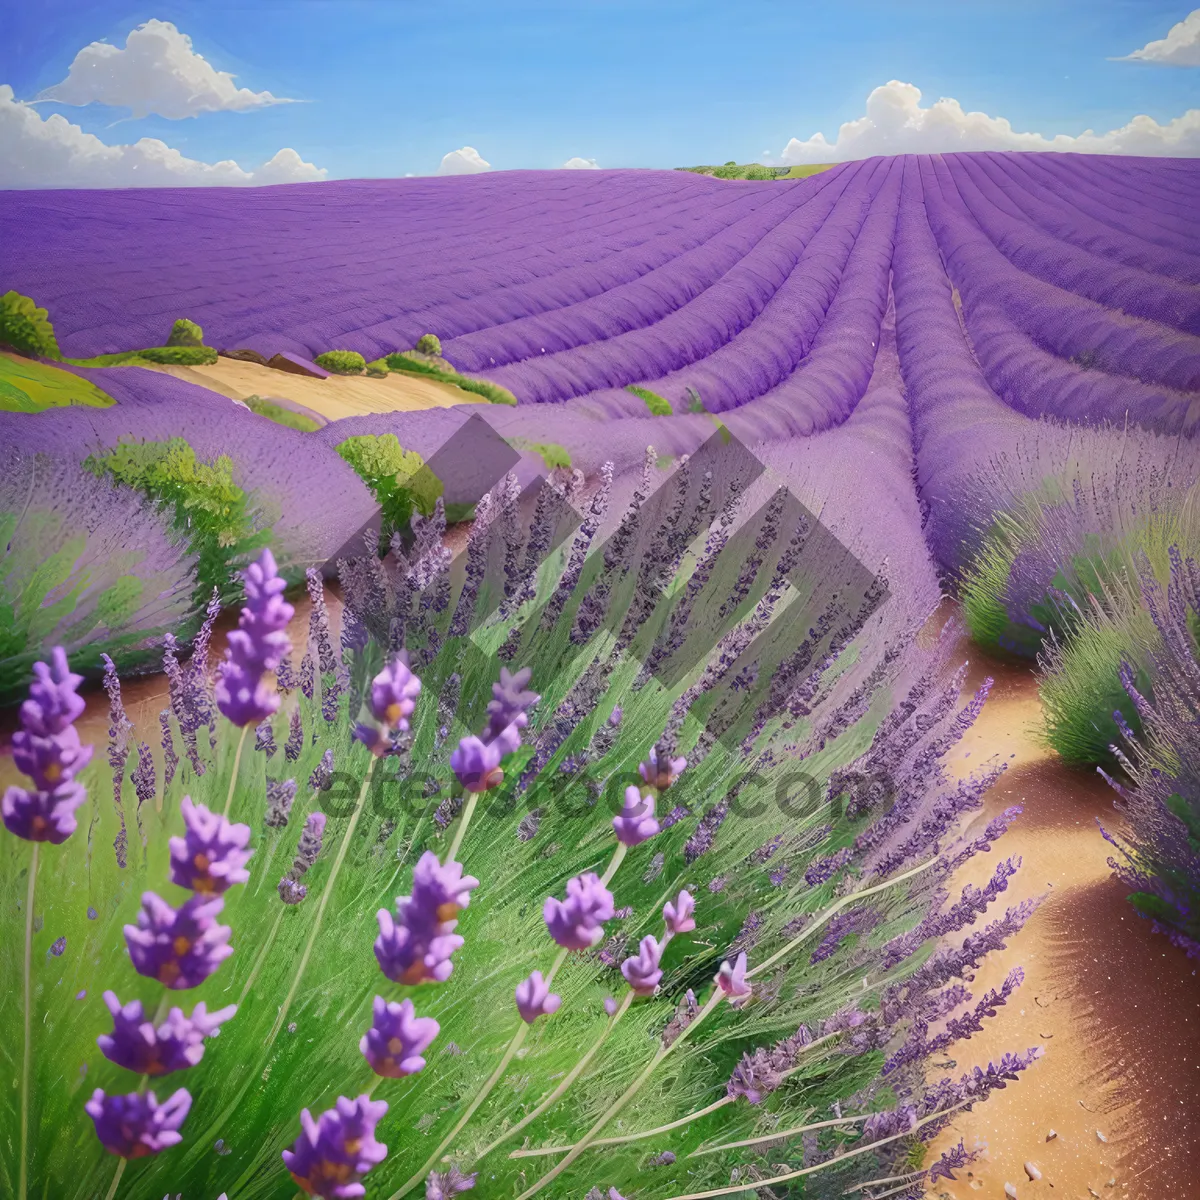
(53,153)
(895,123)
(1180,48)
(581,164)
(157,72)
(466,161)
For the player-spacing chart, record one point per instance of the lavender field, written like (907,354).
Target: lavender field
(980,372)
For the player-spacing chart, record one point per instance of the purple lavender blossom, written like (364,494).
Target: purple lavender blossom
(953,1160)
(614,717)
(256,647)
(643,971)
(321,779)
(295,743)
(334,1152)
(137,1126)
(477,764)
(394,693)
(178,947)
(144,776)
(264,738)
(535,999)
(577,923)
(211,856)
(170,757)
(281,795)
(48,750)
(415,946)
(445,1185)
(731,979)
(396,1041)
(660,770)
(178,1043)
(509,704)
(635,823)
(679,914)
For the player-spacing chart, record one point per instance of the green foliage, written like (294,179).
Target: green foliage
(659,406)
(29,386)
(185,333)
(378,369)
(431,344)
(280,414)
(26,328)
(179,356)
(205,503)
(399,479)
(341,362)
(405,361)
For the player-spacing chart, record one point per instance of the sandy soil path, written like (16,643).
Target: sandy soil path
(1116,1009)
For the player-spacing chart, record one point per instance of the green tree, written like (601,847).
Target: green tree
(430,343)
(185,333)
(26,328)
(398,478)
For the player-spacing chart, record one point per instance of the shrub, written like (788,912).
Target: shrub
(659,406)
(87,564)
(341,362)
(404,361)
(399,479)
(1160,853)
(26,328)
(206,506)
(827,937)
(185,333)
(280,414)
(431,344)
(178,356)
(378,369)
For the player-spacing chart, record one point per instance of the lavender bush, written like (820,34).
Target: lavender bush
(659,932)
(1159,858)
(87,565)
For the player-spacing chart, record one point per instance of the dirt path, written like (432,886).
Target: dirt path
(335,397)
(1116,1009)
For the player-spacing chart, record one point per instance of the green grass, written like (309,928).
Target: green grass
(281,415)
(659,406)
(162,356)
(803,172)
(758,171)
(406,361)
(30,386)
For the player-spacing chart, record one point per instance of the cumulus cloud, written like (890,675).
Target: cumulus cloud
(581,164)
(157,72)
(1180,48)
(466,161)
(895,123)
(53,153)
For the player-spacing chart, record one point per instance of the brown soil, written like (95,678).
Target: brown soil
(335,397)
(1115,1007)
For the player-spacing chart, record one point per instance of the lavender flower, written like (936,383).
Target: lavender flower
(170,758)
(178,947)
(477,764)
(264,738)
(535,999)
(321,779)
(415,946)
(635,823)
(577,922)
(396,1041)
(295,743)
(642,971)
(256,647)
(334,1152)
(394,693)
(731,979)
(679,914)
(137,1126)
(509,704)
(318,621)
(212,855)
(444,1185)
(144,775)
(48,750)
(953,1160)
(281,795)
(291,890)
(175,1045)
(660,770)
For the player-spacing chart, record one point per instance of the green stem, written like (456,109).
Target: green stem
(570,1078)
(326,893)
(237,761)
(116,1179)
(738,1189)
(833,910)
(782,1133)
(27,1057)
(618,1104)
(262,955)
(461,832)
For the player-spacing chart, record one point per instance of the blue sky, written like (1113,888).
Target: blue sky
(390,86)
